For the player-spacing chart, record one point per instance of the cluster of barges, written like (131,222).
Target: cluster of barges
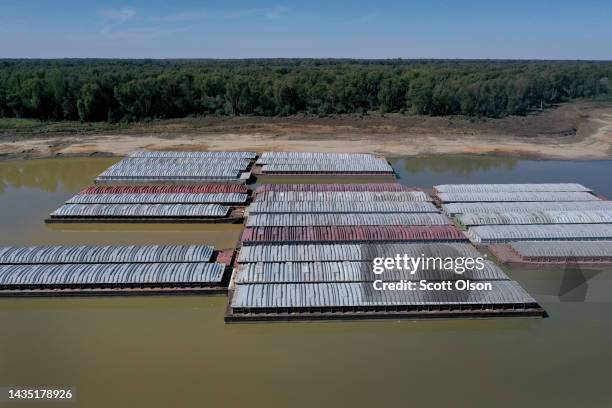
(307,252)
(175,187)
(112,270)
(532,224)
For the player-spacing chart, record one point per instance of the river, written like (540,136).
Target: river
(176,351)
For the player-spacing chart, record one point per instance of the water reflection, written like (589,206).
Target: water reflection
(429,171)
(51,175)
(456,165)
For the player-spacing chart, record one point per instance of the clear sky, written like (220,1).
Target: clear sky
(535,29)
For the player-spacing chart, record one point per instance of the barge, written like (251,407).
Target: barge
(554,254)
(113,270)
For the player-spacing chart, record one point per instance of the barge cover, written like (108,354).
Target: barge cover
(259,235)
(316,301)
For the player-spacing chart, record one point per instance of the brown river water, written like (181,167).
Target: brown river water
(176,350)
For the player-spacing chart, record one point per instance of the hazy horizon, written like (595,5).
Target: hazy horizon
(439,29)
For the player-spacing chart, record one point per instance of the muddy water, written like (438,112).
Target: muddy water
(30,190)
(176,351)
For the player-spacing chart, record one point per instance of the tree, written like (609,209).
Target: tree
(90,105)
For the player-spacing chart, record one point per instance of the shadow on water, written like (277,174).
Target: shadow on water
(575,284)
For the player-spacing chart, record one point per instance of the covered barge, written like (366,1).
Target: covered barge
(111,270)
(542,253)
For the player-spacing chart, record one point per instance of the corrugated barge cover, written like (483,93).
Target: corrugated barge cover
(313,207)
(299,220)
(141,165)
(351,233)
(159,198)
(355,295)
(181,175)
(344,196)
(327,167)
(167,173)
(193,154)
(302,157)
(307,163)
(110,274)
(561,232)
(583,249)
(318,272)
(168,189)
(350,252)
(147,162)
(491,188)
(461,208)
(187,169)
(536,217)
(332,187)
(140,210)
(105,254)
(518,196)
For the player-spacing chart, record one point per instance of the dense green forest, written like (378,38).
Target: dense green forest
(132,90)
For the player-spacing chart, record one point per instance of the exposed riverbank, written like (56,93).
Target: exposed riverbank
(580,130)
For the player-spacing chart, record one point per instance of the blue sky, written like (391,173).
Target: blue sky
(535,29)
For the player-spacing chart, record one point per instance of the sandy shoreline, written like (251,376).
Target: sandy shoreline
(591,138)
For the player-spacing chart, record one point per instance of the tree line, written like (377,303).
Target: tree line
(134,90)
